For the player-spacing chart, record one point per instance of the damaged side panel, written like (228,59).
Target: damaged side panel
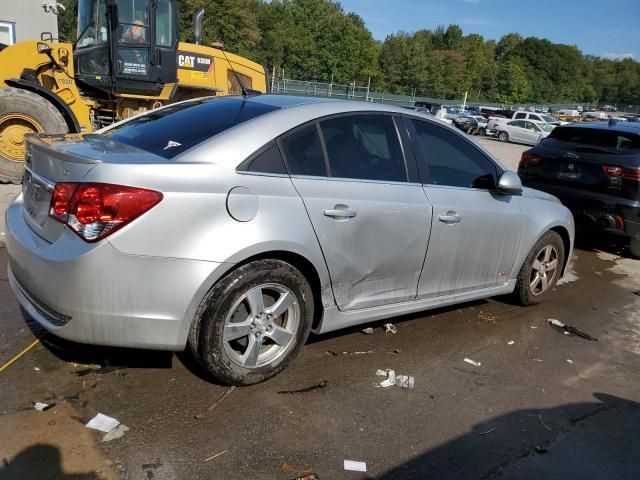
(373,235)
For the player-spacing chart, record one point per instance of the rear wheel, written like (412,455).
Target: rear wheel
(503,136)
(23,112)
(541,269)
(635,247)
(253,322)
(482,132)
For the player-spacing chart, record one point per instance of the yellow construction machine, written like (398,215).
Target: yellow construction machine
(127,59)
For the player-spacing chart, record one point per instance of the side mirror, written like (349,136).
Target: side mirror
(44,48)
(509,183)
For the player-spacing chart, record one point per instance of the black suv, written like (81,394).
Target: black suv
(594,169)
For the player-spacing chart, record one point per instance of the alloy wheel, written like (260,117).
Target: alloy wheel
(544,270)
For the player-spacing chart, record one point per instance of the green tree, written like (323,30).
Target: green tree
(513,86)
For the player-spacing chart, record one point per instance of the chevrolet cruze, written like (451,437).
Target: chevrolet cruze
(236,226)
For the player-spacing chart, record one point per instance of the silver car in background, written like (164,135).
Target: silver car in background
(523,131)
(236,226)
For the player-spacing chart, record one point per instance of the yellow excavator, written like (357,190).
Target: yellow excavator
(127,59)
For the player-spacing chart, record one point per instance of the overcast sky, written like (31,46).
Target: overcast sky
(608,28)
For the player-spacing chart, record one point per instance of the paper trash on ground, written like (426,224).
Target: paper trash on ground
(472,362)
(355,466)
(103,423)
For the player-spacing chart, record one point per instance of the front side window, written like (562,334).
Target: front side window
(92,24)
(450,160)
(302,151)
(364,147)
(134,21)
(517,123)
(535,117)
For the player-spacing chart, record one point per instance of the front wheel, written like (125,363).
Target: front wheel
(541,269)
(253,322)
(503,136)
(482,132)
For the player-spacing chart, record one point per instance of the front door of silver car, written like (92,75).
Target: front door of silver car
(475,230)
(372,223)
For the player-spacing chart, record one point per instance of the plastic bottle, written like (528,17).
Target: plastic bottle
(404,381)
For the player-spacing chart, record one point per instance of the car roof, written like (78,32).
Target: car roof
(622,127)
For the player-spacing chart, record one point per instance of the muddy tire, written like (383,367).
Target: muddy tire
(253,322)
(503,136)
(23,112)
(635,246)
(541,269)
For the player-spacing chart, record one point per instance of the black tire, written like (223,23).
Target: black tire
(503,136)
(482,132)
(635,246)
(524,290)
(50,120)
(206,334)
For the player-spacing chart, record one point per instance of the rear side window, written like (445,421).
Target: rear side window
(520,115)
(172,130)
(599,138)
(303,152)
(364,147)
(451,160)
(267,161)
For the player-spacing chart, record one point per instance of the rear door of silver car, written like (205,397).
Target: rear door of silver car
(475,230)
(366,205)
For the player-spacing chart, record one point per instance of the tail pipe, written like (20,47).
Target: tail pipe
(197,25)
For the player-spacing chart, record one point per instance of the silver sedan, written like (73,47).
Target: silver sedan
(523,131)
(236,226)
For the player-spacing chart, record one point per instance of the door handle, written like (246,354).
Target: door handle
(340,212)
(450,218)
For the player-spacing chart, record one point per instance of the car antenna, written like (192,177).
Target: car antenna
(245,91)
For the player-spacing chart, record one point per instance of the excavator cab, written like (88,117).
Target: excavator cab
(126,46)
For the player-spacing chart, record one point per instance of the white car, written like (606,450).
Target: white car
(523,131)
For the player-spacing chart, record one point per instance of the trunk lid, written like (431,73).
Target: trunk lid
(52,159)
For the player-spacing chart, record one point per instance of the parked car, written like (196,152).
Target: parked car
(467,124)
(535,117)
(426,111)
(522,131)
(238,225)
(594,168)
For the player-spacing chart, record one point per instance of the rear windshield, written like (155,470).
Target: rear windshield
(172,130)
(607,139)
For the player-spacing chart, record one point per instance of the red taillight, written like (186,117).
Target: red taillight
(529,159)
(95,210)
(61,201)
(622,172)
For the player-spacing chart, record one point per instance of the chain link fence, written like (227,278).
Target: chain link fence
(352,91)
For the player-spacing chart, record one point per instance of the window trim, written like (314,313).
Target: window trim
(12,30)
(423,164)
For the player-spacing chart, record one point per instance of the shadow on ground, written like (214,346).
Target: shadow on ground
(42,462)
(582,441)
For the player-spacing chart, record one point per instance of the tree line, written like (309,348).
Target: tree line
(319,40)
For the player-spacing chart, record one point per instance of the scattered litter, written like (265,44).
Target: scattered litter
(287,467)
(539,360)
(322,384)
(390,328)
(544,424)
(42,407)
(534,327)
(488,432)
(472,362)
(217,402)
(367,331)
(569,330)
(37,369)
(487,317)
(308,476)
(510,342)
(103,423)
(335,354)
(396,351)
(117,432)
(215,456)
(569,361)
(355,466)
(402,381)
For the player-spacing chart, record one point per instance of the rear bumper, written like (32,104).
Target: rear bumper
(592,209)
(93,293)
